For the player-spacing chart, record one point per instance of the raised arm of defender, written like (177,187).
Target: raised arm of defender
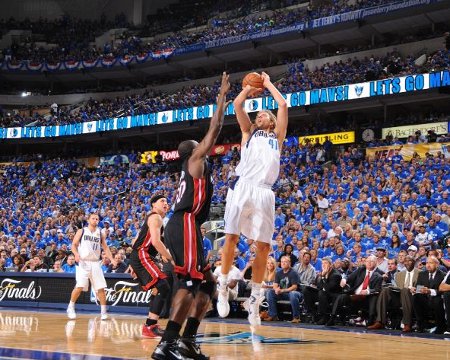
(204,147)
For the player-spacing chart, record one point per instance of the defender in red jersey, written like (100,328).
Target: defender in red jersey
(146,248)
(196,284)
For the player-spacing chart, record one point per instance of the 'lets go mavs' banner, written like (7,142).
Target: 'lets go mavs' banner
(397,85)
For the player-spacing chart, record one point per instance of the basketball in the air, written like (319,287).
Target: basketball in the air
(253,79)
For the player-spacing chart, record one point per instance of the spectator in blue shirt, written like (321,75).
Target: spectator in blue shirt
(69,266)
(207,247)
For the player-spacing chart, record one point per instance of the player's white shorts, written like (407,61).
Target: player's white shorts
(90,270)
(250,210)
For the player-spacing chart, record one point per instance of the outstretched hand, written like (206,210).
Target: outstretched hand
(252,91)
(266,79)
(225,84)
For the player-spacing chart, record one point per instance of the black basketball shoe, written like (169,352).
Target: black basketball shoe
(168,350)
(188,347)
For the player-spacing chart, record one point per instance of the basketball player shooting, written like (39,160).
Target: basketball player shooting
(86,247)
(183,237)
(250,202)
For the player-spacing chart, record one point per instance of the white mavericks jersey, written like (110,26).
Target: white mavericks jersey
(260,159)
(90,245)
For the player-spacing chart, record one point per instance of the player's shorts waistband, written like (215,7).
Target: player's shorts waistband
(251,182)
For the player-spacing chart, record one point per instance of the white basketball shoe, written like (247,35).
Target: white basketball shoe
(223,306)
(71,314)
(252,306)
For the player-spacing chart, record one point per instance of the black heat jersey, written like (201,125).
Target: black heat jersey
(194,195)
(144,238)
(142,258)
(182,233)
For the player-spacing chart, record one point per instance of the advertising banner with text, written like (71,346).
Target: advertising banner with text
(408,150)
(333,94)
(347,137)
(400,132)
(121,289)
(150,156)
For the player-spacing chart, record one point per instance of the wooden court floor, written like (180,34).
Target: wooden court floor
(50,335)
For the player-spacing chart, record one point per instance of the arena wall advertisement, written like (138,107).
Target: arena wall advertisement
(405,131)
(150,156)
(17,289)
(407,151)
(396,85)
(347,137)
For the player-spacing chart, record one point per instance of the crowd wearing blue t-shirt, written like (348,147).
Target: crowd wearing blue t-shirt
(344,210)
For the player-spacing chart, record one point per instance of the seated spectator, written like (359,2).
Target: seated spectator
(34,265)
(269,275)
(389,276)
(401,260)
(329,287)
(17,263)
(56,267)
(69,266)
(120,267)
(45,259)
(233,281)
(366,283)
(305,271)
(444,288)
(105,263)
(288,251)
(382,262)
(284,288)
(398,296)
(427,297)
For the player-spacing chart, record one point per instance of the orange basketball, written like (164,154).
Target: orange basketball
(253,79)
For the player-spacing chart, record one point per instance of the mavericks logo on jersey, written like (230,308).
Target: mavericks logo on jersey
(265,134)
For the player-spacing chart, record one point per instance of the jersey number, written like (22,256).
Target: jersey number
(181,188)
(273,143)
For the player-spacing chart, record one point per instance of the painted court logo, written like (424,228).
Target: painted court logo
(246,338)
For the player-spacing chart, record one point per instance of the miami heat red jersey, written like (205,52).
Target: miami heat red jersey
(144,238)
(194,195)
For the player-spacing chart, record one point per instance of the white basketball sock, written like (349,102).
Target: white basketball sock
(256,289)
(223,280)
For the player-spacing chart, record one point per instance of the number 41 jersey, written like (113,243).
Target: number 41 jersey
(194,195)
(260,159)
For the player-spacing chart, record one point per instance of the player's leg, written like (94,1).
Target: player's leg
(262,230)
(256,297)
(233,210)
(151,328)
(101,295)
(99,284)
(152,279)
(223,306)
(82,283)
(177,239)
(76,292)
(188,345)
(181,305)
